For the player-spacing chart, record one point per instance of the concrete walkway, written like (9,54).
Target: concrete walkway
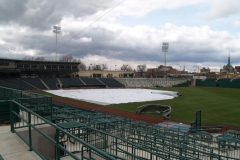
(13,148)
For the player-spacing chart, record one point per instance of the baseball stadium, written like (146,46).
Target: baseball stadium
(53,110)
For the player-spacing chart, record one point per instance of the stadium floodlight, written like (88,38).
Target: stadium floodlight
(115,70)
(91,71)
(165,46)
(56,30)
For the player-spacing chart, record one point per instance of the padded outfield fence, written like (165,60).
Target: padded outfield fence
(225,83)
(75,133)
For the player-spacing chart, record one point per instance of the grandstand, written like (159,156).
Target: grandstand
(88,134)
(51,83)
(57,83)
(151,82)
(21,83)
(70,82)
(111,82)
(92,82)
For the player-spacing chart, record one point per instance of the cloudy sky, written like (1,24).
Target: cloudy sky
(201,33)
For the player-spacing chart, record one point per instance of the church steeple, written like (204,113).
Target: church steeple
(229,59)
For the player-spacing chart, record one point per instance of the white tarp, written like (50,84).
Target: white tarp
(114,96)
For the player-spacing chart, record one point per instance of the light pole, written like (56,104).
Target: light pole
(91,71)
(56,29)
(180,70)
(115,70)
(165,46)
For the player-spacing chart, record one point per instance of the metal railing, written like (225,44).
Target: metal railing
(32,122)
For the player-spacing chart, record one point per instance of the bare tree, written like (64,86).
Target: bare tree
(82,66)
(104,67)
(40,59)
(28,58)
(126,67)
(129,68)
(66,58)
(141,69)
(75,60)
(92,66)
(96,67)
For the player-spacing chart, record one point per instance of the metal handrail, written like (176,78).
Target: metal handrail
(102,153)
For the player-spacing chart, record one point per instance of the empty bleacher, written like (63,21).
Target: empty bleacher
(111,82)
(91,81)
(71,82)
(21,83)
(36,82)
(4,83)
(51,82)
(150,82)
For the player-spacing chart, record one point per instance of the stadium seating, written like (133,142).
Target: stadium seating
(4,83)
(91,81)
(51,82)
(21,83)
(150,82)
(111,82)
(71,82)
(36,82)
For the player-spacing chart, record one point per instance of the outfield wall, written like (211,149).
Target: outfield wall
(221,84)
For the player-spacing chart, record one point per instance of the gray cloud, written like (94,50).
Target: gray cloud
(27,30)
(42,14)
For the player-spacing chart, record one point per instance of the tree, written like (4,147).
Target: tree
(104,67)
(66,58)
(126,67)
(141,69)
(28,58)
(92,66)
(82,66)
(40,59)
(98,66)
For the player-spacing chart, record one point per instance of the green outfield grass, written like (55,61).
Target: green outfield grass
(220,106)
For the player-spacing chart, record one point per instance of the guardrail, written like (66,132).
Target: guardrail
(9,93)
(32,122)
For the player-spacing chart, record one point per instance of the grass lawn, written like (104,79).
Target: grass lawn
(220,106)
